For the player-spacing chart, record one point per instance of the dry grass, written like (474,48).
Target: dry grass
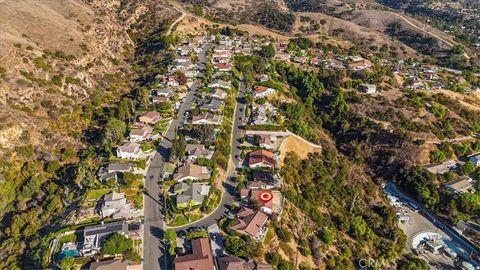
(296,145)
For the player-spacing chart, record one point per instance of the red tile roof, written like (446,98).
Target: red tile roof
(200,259)
(262,157)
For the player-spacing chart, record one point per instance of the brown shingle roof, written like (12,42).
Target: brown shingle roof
(192,170)
(249,222)
(200,259)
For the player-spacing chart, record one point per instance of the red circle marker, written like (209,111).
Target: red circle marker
(265,196)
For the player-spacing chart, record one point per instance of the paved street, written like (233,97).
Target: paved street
(229,187)
(154,257)
(154,251)
(238,130)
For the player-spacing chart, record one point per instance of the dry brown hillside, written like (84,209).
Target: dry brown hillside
(55,55)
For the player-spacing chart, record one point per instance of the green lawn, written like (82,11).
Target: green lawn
(98,193)
(169,167)
(197,234)
(182,220)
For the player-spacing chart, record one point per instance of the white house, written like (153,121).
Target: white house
(206,119)
(171,81)
(263,91)
(220,84)
(475,159)
(130,150)
(368,88)
(140,134)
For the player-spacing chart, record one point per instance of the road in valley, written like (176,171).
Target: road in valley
(154,256)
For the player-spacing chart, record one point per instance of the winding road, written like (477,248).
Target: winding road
(449,43)
(154,256)
(229,187)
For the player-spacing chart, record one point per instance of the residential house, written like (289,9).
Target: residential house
(119,167)
(334,64)
(183,59)
(462,184)
(150,117)
(171,81)
(201,257)
(223,67)
(250,222)
(368,88)
(130,150)
(166,92)
(207,118)
(191,171)
(268,179)
(261,114)
(263,91)
(316,61)
(94,235)
(159,99)
(184,50)
(358,65)
(235,263)
(116,264)
(475,159)
(220,84)
(140,134)
(113,170)
(225,41)
(443,167)
(212,104)
(262,77)
(273,206)
(219,94)
(221,56)
(191,194)
(115,205)
(264,140)
(299,60)
(282,56)
(261,158)
(195,151)
(317,53)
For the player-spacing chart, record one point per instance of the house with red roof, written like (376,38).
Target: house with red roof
(251,222)
(261,158)
(201,257)
(263,91)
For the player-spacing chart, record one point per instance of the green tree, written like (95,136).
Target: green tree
(468,168)
(171,238)
(268,51)
(117,244)
(339,106)
(437,156)
(125,109)
(113,132)
(459,49)
(143,96)
(67,263)
(327,236)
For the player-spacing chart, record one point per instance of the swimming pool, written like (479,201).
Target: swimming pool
(68,253)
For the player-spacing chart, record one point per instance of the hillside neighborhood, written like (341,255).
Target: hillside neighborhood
(222,138)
